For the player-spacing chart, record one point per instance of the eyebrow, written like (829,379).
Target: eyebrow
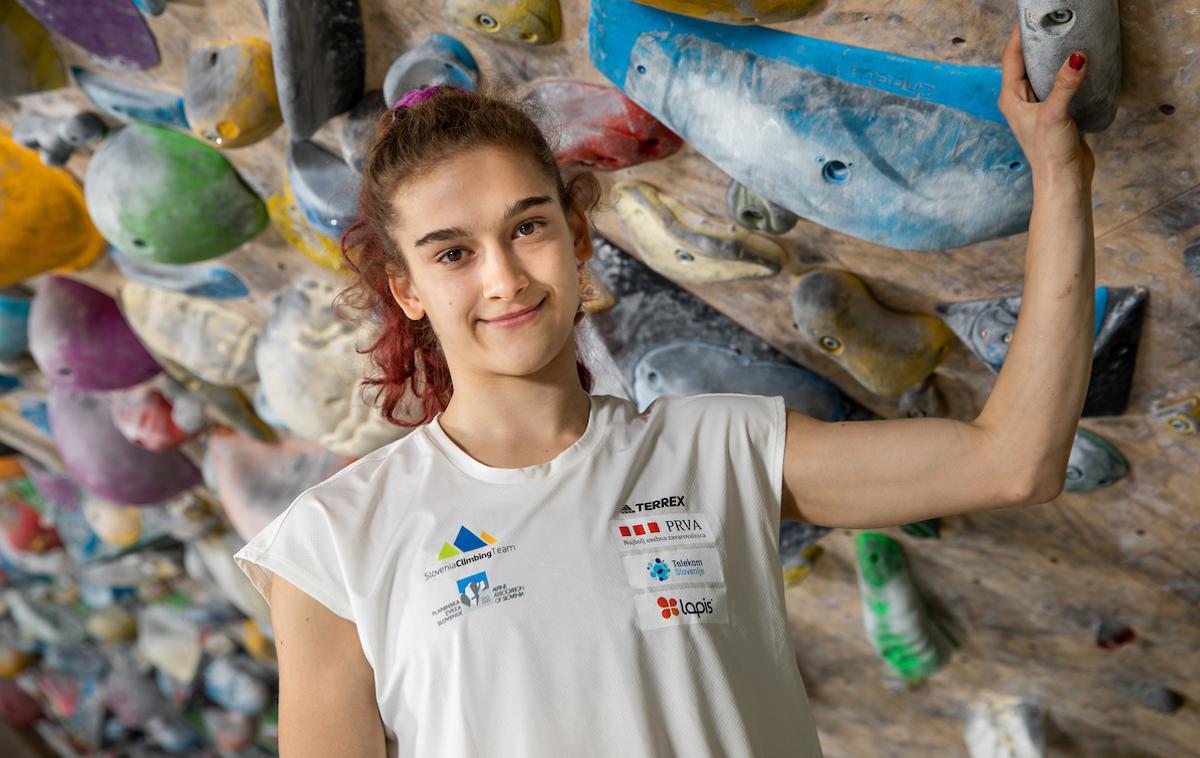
(453,232)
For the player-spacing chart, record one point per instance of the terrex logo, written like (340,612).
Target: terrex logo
(671,607)
(674,501)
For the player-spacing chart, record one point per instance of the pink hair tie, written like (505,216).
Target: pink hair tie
(415,97)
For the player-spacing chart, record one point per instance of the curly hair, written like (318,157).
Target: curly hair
(410,140)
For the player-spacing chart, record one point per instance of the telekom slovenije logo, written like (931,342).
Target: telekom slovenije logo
(638,530)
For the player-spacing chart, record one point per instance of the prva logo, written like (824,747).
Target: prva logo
(670,607)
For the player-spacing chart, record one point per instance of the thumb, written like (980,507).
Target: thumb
(1067,82)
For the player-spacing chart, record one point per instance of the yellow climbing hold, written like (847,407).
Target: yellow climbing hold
(885,350)
(687,246)
(737,11)
(533,22)
(291,222)
(45,222)
(231,99)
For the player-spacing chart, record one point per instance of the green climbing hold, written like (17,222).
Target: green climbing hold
(160,195)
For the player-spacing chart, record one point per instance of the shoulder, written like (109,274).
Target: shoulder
(729,406)
(349,497)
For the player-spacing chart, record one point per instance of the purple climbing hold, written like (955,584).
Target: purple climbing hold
(79,338)
(113,30)
(103,461)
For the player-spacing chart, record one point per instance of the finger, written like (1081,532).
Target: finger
(1066,83)
(1012,64)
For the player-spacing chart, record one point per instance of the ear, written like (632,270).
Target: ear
(405,296)
(581,232)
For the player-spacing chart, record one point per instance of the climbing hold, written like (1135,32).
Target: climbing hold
(754,212)
(318,50)
(118,526)
(56,139)
(130,102)
(151,7)
(1094,463)
(216,551)
(359,128)
(1053,29)
(325,188)
(598,127)
(190,279)
(311,373)
(28,61)
(1182,417)
(256,481)
(922,401)
(685,245)
(440,59)
(238,683)
(885,350)
(1191,259)
(291,223)
(593,295)
(143,416)
(112,30)
(46,225)
(14,322)
(230,98)
(796,563)
(18,707)
(103,461)
(79,338)
(534,22)
(695,368)
(894,615)
(54,487)
(921,143)
(986,326)
(205,336)
(228,403)
(737,11)
(1156,697)
(159,195)
(23,530)
(1111,635)
(1000,725)
(929,529)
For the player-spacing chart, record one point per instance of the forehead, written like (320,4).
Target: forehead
(468,190)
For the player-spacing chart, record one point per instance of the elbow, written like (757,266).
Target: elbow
(1036,485)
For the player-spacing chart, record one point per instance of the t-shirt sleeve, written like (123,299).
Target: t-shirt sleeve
(766,425)
(299,545)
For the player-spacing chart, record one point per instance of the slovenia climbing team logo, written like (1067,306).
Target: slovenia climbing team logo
(474,590)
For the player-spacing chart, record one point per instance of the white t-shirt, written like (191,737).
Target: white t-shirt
(624,599)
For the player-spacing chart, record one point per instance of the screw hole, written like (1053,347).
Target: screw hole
(641,69)
(958,41)
(1167,109)
(836,172)
(1015,165)
(213,58)
(487,22)
(684,255)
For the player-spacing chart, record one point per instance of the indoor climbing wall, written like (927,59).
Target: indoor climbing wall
(813,199)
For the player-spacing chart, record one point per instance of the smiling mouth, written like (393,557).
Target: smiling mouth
(516,315)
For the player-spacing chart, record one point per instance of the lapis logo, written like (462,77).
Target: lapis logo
(671,607)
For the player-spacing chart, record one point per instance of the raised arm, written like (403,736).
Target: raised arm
(870,474)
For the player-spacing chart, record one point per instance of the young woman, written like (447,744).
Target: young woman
(537,571)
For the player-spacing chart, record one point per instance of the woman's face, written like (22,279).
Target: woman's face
(484,235)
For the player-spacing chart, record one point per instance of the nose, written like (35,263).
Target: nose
(503,273)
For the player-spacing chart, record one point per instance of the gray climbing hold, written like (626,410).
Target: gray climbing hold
(326,188)
(318,50)
(1051,30)
(1094,463)
(694,368)
(440,59)
(359,127)
(755,212)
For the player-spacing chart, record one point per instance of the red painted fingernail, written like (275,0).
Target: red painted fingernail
(1076,62)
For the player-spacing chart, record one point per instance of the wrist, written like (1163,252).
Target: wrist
(1061,179)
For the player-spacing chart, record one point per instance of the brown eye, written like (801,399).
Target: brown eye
(448,253)
(531,226)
